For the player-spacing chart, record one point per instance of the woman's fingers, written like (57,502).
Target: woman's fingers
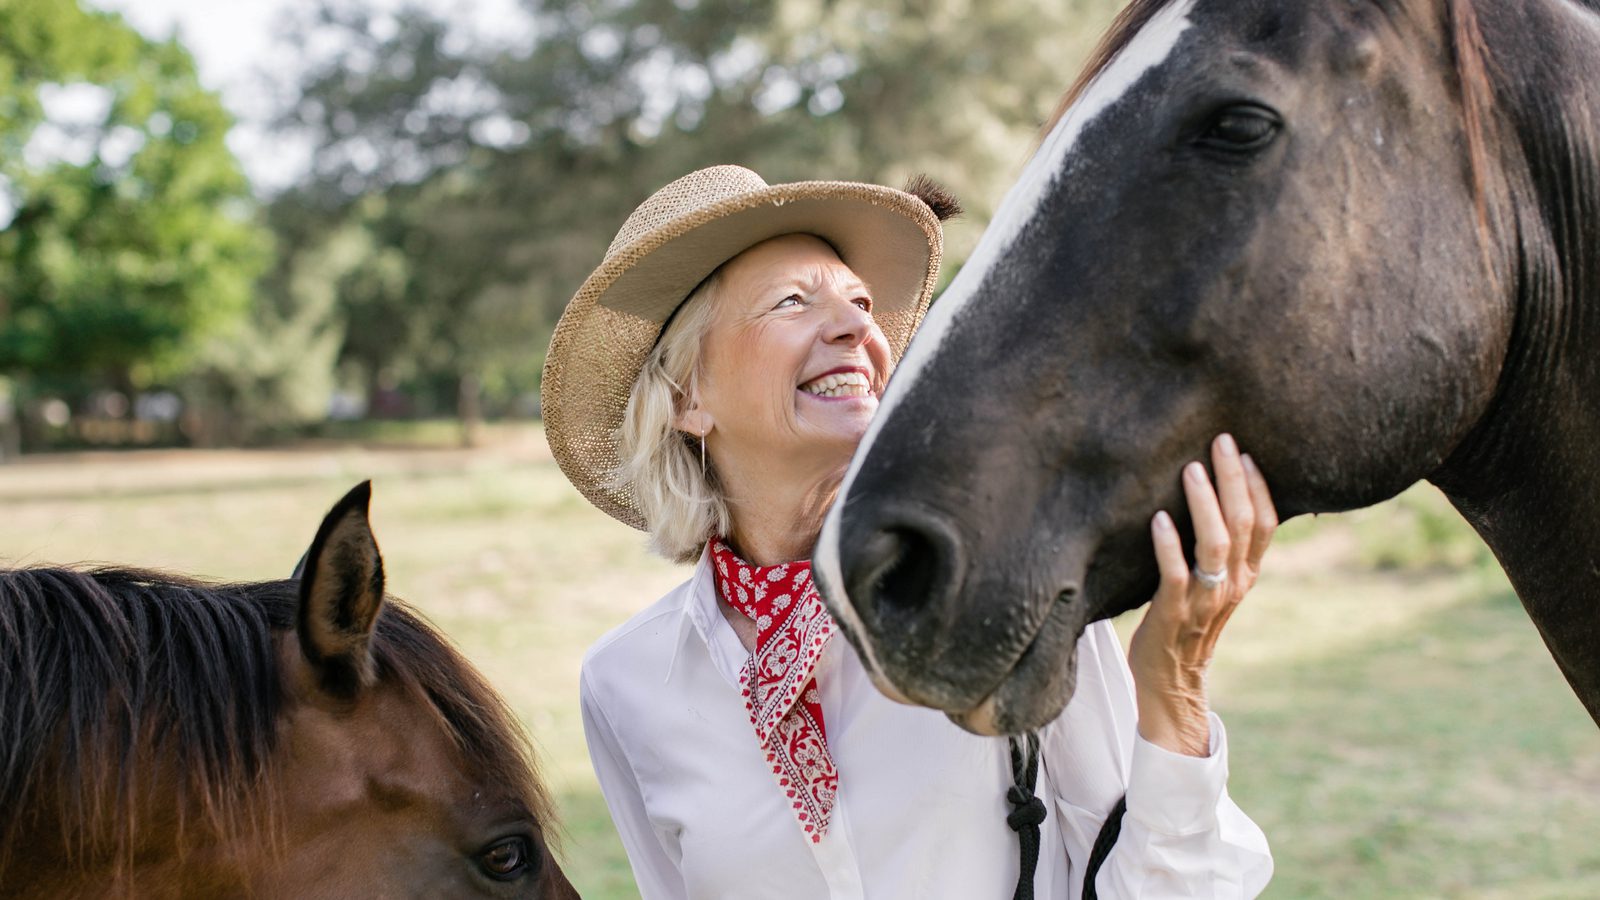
(1238,509)
(1211,543)
(1170,561)
(1172,647)
(1266,513)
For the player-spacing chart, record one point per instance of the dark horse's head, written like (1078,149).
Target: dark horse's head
(1304,222)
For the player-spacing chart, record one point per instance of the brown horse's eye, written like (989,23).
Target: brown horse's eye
(507,859)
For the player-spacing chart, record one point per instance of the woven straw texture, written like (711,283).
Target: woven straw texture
(671,243)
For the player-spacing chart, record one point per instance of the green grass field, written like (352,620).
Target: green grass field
(1396,726)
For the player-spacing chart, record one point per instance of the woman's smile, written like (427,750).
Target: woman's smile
(842,383)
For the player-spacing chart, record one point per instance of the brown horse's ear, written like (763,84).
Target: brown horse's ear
(341,592)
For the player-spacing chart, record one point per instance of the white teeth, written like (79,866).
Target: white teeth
(841,384)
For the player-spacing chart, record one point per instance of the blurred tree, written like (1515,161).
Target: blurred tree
(275,370)
(506,168)
(127,232)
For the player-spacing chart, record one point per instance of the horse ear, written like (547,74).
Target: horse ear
(341,593)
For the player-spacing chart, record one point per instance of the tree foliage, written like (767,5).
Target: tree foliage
(462,184)
(131,236)
(505,167)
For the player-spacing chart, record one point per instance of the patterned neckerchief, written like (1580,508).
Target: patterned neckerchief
(780,689)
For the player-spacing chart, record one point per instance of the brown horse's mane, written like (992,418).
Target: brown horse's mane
(1467,49)
(103,671)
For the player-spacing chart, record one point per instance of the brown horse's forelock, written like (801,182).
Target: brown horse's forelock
(109,673)
(1467,50)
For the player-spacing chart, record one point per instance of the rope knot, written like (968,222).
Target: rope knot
(1029,812)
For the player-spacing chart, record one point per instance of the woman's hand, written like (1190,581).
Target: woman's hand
(1171,650)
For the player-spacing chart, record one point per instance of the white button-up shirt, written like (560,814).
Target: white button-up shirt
(921,811)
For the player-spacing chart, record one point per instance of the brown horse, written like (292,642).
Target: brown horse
(1361,235)
(160,737)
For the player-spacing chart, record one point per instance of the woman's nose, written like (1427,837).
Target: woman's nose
(848,323)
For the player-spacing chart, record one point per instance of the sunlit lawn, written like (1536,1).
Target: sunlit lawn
(1396,726)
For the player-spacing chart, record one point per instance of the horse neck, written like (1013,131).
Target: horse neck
(1528,477)
(1542,520)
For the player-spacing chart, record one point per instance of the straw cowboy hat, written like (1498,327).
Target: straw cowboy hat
(891,239)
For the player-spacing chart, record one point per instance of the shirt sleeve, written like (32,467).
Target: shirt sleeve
(1182,836)
(656,872)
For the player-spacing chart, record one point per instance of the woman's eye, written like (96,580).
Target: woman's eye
(506,859)
(791,300)
(864,302)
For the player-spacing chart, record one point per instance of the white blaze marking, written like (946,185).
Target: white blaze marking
(1153,44)
(1590,17)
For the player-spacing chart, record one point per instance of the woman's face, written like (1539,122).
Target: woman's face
(792,364)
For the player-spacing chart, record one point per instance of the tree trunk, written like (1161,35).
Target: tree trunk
(205,415)
(469,409)
(10,426)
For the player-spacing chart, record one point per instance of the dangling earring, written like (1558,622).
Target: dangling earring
(702,454)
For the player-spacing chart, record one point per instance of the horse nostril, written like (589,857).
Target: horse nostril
(905,569)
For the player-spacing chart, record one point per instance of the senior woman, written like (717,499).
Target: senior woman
(708,384)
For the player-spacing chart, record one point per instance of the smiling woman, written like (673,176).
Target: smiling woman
(709,384)
(792,369)
(777,290)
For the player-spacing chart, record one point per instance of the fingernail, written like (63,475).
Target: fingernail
(1163,522)
(1249,463)
(1195,471)
(1225,443)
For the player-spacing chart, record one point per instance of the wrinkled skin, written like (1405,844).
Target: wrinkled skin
(1273,232)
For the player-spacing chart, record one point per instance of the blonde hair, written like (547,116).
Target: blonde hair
(674,485)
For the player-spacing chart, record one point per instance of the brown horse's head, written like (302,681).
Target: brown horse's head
(163,738)
(1275,218)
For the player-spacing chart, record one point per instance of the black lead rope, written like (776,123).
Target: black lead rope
(1102,846)
(1027,814)
(1027,810)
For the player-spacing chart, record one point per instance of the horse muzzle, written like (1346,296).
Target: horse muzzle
(994,648)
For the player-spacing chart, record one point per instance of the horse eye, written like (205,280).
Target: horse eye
(1240,128)
(507,859)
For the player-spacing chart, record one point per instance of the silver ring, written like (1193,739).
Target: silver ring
(1210,580)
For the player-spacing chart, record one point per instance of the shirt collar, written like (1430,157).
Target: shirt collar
(702,618)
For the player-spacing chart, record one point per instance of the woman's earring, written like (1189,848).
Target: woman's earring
(702,454)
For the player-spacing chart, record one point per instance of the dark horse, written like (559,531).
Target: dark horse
(1363,236)
(162,738)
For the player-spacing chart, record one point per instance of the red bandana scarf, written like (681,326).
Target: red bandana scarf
(780,691)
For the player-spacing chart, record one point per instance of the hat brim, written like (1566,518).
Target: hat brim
(890,239)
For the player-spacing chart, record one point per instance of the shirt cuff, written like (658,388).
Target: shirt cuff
(1174,794)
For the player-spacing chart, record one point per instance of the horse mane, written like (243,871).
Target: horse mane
(1128,23)
(112,672)
(1467,49)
